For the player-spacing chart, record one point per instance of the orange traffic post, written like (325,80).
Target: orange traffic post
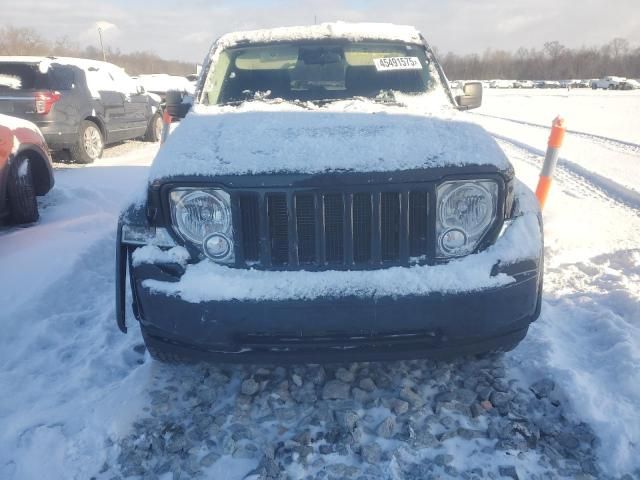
(166,124)
(550,160)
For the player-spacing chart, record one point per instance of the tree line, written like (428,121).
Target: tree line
(553,61)
(26,41)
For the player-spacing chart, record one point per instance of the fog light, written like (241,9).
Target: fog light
(453,240)
(216,246)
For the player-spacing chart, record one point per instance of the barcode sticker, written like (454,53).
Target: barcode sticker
(397,63)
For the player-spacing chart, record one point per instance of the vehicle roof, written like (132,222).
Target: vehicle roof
(78,62)
(337,30)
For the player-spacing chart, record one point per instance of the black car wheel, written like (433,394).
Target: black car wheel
(154,129)
(21,192)
(90,144)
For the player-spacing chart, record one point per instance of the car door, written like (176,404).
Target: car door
(135,104)
(104,90)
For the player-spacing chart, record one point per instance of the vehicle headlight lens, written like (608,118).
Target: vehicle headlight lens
(204,218)
(466,211)
(216,246)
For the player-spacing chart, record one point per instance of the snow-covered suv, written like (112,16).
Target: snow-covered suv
(608,83)
(324,200)
(79,105)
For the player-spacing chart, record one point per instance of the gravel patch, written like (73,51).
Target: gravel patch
(415,420)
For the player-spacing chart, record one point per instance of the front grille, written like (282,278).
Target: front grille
(311,229)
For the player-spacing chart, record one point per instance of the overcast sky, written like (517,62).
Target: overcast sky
(184,29)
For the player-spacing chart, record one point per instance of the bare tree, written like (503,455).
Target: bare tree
(26,41)
(553,62)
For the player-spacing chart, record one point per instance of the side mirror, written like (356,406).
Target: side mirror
(174,104)
(471,97)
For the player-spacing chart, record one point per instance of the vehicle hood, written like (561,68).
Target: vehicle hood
(355,136)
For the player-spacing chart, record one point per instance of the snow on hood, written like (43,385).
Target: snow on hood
(338,30)
(14,123)
(355,135)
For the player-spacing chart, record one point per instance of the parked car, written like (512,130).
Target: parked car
(629,84)
(79,105)
(577,83)
(501,84)
(608,83)
(161,83)
(523,84)
(324,201)
(25,169)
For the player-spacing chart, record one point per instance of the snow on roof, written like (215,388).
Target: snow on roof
(355,135)
(44,62)
(338,30)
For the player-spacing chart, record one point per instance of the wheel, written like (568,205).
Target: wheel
(90,143)
(21,192)
(154,129)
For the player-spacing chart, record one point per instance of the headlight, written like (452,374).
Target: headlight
(466,211)
(201,216)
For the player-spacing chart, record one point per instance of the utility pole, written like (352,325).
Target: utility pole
(104,57)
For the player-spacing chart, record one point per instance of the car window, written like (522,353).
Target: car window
(21,76)
(122,81)
(99,80)
(62,77)
(309,71)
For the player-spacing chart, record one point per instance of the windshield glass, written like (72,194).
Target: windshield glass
(320,71)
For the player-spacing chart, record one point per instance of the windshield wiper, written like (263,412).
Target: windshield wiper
(388,97)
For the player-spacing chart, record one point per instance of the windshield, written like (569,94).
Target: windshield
(315,72)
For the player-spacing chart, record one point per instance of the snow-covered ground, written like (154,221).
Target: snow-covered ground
(81,400)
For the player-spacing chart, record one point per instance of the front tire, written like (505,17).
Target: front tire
(154,129)
(90,143)
(21,192)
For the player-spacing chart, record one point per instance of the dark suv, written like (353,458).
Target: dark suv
(79,105)
(324,200)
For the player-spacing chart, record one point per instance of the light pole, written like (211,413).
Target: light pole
(104,57)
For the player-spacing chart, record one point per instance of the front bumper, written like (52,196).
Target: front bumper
(330,329)
(348,328)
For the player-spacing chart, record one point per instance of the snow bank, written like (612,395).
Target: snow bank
(338,30)
(588,336)
(356,136)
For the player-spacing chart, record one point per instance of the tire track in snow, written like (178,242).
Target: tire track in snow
(572,172)
(612,143)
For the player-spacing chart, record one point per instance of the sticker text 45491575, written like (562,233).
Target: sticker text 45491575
(397,63)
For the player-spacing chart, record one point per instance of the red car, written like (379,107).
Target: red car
(25,169)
